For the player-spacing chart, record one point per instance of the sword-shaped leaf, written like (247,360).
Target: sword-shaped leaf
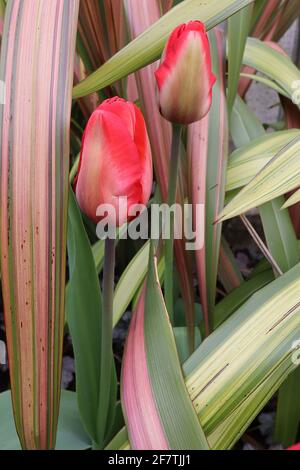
(158,410)
(280,175)
(37,66)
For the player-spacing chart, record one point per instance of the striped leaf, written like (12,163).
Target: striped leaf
(279,232)
(149,45)
(238,296)
(158,410)
(228,270)
(37,65)
(101,31)
(130,281)
(265,15)
(2,12)
(243,351)
(245,162)
(239,367)
(290,13)
(280,175)
(283,246)
(207,153)
(292,199)
(292,120)
(272,63)
(238,29)
(70,433)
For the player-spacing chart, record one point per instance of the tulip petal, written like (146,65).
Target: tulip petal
(115,160)
(184,77)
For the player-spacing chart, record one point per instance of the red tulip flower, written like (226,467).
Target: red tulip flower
(115,160)
(184,77)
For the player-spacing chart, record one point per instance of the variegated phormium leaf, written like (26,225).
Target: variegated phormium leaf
(158,410)
(37,66)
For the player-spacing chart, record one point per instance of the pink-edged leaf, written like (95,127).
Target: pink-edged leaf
(165,5)
(290,13)
(115,25)
(207,150)
(159,131)
(228,270)
(37,67)
(267,22)
(143,422)
(158,410)
(101,31)
(88,103)
(92,34)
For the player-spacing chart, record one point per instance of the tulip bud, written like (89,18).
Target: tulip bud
(184,77)
(115,160)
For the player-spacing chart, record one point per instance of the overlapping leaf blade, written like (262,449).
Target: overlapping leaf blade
(149,45)
(280,175)
(229,377)
(158,410)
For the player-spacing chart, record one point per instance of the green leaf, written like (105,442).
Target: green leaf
(280,234)
(130,281)
(232,362)
(275,65)
(236,298)
(250,158)
(265,81)
(149,45)
(278,228)
(292,199)
(238,29)
(280,175)
(182,341)
(178,417)
(83,309)
(288,410)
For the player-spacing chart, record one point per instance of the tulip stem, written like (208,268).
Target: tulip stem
(169,252)
(107,326)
